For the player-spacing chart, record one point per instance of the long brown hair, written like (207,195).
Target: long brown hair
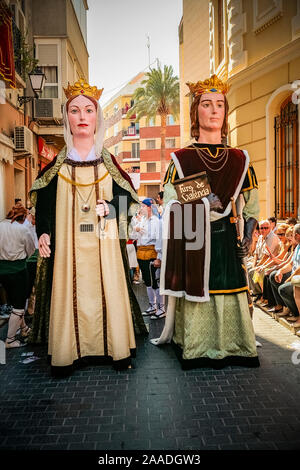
(195,118)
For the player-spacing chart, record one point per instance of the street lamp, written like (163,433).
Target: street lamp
(37,82)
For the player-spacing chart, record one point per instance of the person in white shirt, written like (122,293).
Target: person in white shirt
(16,245)
(148,233)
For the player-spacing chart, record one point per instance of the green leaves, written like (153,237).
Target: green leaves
(158,95)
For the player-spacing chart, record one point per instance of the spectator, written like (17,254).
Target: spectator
(16,245)
(147,232)
(291,221)
(274,261)
(282,288)
(160,202)
(297,301)
(268,239)
(273,222)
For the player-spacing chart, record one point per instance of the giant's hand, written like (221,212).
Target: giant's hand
(249,228)
(102,208)
(44,245)
(243,248)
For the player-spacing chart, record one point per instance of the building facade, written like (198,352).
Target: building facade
(136,145)
(31,134)
(122,135)
(150,151)
(255,45)
(60,39)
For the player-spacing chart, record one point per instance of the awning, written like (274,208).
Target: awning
(46,151)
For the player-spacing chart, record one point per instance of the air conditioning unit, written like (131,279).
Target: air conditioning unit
(47,108)
(23,139)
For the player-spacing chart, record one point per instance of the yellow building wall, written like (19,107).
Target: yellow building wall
(262,60)
(247,124)
(193,56)
(274,36)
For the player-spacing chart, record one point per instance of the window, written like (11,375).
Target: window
(116,107)
(152,190)
(116,130)
(116,150)
(135,150)
(286,161)
(151,167)
(170,120)
(170,143)
(150,144)
(51,82)
(151,122)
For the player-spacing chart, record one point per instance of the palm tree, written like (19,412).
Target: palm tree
(158,95)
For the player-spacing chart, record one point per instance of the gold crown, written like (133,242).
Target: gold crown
(82,88)
(210,85)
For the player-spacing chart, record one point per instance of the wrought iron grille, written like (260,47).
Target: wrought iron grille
(286,161)
(17,39)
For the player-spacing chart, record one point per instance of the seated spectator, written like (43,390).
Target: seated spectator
(273,222)
(285,235)
(280,280)
(296,324)
(291,221)
(268,239)
(16,245)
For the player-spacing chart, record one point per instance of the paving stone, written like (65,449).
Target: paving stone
(157,405)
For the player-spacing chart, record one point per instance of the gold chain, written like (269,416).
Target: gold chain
(82,184)
(205,160)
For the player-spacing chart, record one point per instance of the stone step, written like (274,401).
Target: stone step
(281,320)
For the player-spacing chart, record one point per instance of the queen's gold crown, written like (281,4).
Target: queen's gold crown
(81,87)
(210,85)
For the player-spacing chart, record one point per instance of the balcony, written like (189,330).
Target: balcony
(17,40)
(132,132)
(125,111)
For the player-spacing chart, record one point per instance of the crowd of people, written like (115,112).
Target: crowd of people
(274,267)
(18,258)
(146,235)
(86,208)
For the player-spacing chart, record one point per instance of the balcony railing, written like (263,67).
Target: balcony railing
(131,131)
(17,47)
(125,111)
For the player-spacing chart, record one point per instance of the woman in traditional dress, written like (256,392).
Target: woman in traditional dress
(82,201)
(208,315)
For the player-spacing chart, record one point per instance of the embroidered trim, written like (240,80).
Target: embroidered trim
(104,309)
(75,310)
(116,175)
(83,163)
(229,291)
(251,179)
(44,180)
(81,184)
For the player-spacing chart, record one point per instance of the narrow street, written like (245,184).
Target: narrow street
(155,405)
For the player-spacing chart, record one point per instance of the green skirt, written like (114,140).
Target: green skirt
(215,333)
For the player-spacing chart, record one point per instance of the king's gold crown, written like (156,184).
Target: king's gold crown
(81,87)
(210,85)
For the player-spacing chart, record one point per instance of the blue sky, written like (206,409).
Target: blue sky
(117,42)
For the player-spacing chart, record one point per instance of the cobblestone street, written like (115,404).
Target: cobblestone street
(155,405)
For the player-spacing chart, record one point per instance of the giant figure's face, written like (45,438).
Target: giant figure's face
(211,111)
(82,117)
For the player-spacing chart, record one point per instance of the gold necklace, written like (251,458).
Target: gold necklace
(204,158)
(85,206)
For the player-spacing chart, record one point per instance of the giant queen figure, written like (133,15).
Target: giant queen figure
(85,306)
